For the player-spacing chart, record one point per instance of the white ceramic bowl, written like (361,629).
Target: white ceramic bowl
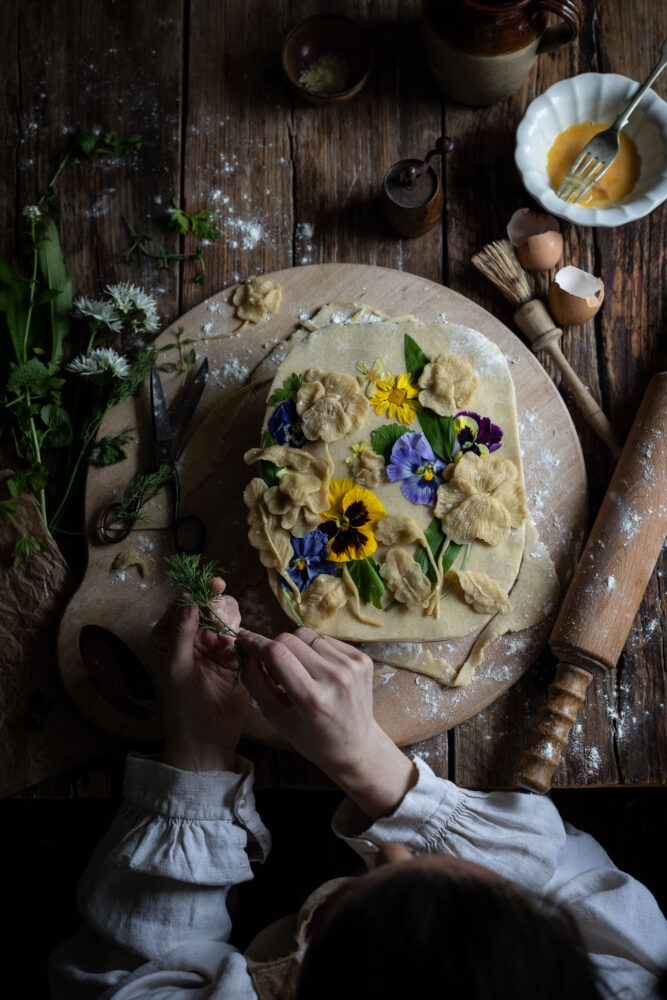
(597,97)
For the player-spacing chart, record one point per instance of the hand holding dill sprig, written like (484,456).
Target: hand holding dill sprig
(202,707)
(193,577)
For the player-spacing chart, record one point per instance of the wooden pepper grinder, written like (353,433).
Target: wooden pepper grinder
(411,196)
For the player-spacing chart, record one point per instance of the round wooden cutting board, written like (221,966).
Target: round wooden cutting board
(127,602)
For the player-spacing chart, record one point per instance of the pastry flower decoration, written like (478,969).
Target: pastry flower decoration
(367,467)
(397,398)
(301,487)
(446,384)
(476,434)
(256,299)
(414,464)
(349,522)
(330,405)
(369,377)
(480,499)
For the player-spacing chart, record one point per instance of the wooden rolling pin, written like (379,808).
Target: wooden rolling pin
(608,585)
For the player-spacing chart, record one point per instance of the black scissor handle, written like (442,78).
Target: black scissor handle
(108,533)
(189,534)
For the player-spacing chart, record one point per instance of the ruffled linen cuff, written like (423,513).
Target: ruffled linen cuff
(415,823)
(198,796)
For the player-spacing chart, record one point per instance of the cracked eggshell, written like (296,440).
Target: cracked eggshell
(575,296)
(536,239)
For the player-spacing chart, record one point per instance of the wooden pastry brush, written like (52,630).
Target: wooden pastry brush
(498,262)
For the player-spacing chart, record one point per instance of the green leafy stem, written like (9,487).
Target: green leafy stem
(198,225)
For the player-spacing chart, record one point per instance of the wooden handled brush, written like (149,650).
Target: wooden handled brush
(498,262)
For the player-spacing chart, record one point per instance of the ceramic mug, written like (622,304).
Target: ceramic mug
(479,51)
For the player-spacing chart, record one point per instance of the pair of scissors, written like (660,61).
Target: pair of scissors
(189,532)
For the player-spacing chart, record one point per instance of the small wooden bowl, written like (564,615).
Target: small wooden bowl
(328,34)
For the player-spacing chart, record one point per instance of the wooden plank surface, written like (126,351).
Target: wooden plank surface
(175,72)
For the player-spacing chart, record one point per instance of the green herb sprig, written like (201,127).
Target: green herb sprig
(290,387)
(192,576)
(26,545)
(197,225)
(186,359)
(137,494)
(110,450)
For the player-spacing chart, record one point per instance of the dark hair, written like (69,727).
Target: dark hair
(418,932)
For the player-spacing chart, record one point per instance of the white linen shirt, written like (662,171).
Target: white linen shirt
(153,896)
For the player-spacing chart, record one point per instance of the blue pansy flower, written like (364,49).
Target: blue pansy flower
(414,462)
(285,425)
(310,558)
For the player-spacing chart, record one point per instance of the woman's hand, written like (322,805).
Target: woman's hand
(202,715)
(318,693)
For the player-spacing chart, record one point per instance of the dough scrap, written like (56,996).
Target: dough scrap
(534,598)
(256,299)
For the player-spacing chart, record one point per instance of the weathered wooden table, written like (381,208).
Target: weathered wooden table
(292,184)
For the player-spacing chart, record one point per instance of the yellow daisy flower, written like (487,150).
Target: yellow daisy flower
(349,522)
(398,399)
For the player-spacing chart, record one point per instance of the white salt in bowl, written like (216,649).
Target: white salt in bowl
(597,97)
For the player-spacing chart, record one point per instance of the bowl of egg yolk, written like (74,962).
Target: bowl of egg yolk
(559,123)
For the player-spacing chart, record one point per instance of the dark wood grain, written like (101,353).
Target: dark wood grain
(291,184)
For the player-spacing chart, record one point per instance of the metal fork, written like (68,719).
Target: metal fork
(599,152)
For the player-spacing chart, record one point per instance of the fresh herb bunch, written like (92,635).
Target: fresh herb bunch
(198,225)
(192,576)
(39,414)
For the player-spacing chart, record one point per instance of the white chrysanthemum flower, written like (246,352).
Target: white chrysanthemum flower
(101,361)
(32,213)
(135,306)
(102,311)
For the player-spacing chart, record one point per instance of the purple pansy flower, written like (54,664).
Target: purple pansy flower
(414,462)
(285,425)
(476,434)
(310,558)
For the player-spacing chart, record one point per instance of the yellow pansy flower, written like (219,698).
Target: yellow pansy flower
(349,522)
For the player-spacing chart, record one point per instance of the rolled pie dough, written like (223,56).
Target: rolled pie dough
(467,374)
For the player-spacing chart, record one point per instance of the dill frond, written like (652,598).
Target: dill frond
(191,575)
